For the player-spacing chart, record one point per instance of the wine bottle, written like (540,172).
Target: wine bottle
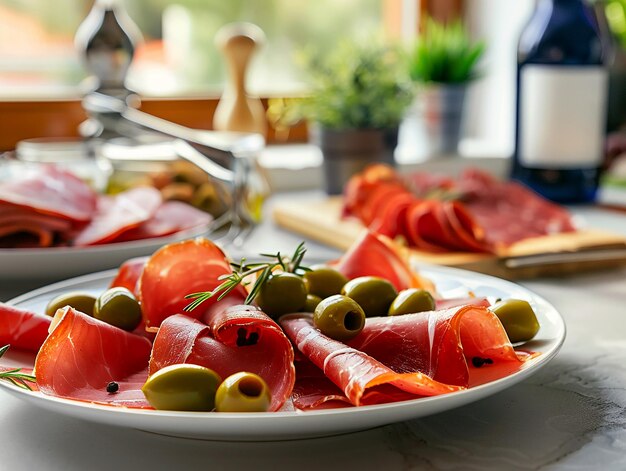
(561,102)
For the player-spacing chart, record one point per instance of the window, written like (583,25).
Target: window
(179,55)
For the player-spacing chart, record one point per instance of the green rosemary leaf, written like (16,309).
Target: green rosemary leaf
(15,376)
(258,284)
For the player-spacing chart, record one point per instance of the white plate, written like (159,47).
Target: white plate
(292,425)
(58,263)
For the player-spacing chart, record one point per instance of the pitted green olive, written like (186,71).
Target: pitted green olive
(412,300)
(80,301)
(281,294)
(339,317)
(243,392)
(373,294)
(311,302)
(518,318)
(118,307)
(182,387)
(324,281)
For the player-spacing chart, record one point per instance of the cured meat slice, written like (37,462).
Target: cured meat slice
(391,218)
(363,379)
(375,255)
(509,211)
(377,198)
(177,270)
(50,190)
(169,218)
(119,214)
(475,213)
(128,274)
(437,343)
(24,235)
(313,390)
(82,355)
(359,187)
(22,329)
(238,338)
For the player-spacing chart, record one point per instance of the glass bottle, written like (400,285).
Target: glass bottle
(561,102)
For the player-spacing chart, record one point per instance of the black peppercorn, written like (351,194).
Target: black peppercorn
(112,387)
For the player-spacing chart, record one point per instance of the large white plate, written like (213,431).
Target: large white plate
(292,425)
(58,263)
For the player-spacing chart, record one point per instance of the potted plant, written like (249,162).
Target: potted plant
(443,63)
(359,97)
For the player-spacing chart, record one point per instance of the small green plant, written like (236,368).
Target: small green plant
(357,86)
(444,54)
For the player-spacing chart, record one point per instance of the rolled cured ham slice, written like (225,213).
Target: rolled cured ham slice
(362,378)
(376,255)
(404,357)
(22,329)
(438,343)
(238,338)
(82,355)
(179,269)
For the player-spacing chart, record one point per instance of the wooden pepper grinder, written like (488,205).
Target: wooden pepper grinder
(237,111)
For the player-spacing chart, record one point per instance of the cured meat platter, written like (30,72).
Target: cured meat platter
(289,425)
(321,220)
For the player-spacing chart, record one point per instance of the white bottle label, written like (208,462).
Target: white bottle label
(562,116)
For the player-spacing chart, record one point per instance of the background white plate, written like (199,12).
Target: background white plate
(293,425)
(58,263)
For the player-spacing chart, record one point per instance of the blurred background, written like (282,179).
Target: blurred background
(180,73)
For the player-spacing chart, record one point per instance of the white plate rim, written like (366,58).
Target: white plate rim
(413,408)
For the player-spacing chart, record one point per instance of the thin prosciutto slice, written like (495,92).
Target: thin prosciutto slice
(82,355)
(238,338)
(437,343)
(128,274)
(52,191)
(22,329)
(362,378)
(119,214)
(404,357)
(376,255)
(177,270)
(169,218)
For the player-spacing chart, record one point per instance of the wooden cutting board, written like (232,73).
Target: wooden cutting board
(554,255)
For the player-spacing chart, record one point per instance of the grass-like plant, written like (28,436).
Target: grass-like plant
(444,54)
(357,86)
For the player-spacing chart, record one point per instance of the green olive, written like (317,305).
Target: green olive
(182,387)
(324,281)
(373,294)
(412,300)
(311,302)
(80,301)
(281,294)
(518,318)
(339,317)
(117,306)
(243,392)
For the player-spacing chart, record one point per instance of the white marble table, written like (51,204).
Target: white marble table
(568,416)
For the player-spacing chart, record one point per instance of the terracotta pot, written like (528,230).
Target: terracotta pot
(348,151)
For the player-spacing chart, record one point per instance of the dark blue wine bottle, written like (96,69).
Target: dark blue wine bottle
(561,102)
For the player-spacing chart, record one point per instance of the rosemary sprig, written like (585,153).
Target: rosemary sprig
(242,270)
(15,376)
